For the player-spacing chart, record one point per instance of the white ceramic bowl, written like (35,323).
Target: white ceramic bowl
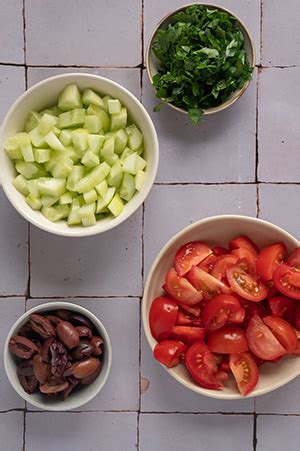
(218,230)
(77,398)
(45,94)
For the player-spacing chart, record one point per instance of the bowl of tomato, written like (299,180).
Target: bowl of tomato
(221,307)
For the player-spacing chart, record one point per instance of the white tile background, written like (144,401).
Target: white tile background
(244,161)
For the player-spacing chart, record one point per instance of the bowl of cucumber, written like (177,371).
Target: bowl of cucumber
(79,154)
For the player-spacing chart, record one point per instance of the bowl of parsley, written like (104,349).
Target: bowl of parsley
(200,59)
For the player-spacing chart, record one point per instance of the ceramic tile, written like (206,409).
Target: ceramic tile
(277,433)
(11,32)
(283,400)
(11,431)
(12,84)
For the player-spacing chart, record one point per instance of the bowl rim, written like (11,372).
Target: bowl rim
(192,386)
(85,231)
(251,56)
(40,309)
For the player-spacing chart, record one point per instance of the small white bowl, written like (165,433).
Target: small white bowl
(45,94)
(219,230)
(79,397)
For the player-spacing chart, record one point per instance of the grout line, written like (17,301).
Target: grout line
(82,297)
(259,182)
(261,32)
(24,431)
(138,431)
(142,31)
(257,201)
(254,431)
(28,261)
(24,32)
(256,126)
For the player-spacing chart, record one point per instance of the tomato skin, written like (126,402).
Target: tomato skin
(202,365)
(297,318)
(219,251)
(208,264)
(268,260)
(243,241)
(208,285)
(219,269)
(188,334)
(272,290)
(246,259)
(187,319)
(283,331)
(245,372)
(169,352)
(245,285)
(221,309)
(162,317)
(287,281)
(190,254)
(294,259)
(252,308)
(261,341)
(227,340)
(180,289)
(283,307)
(224,365)
(297,350)
(194,310)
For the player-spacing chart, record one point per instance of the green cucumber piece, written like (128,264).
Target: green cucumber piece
(63,168)
(115,176)
(26,147)
(96,176)
(91,97)
(90,196)
(34,202)
(126,152)
(90,159)
(76,174)
(140,164)
(56,213)
(70,152)
(127,188)
(102,188)
(87,214)
(121,139)
(32,121)
(79,139)
(69,98)
(135,137)
(92,123)
(74,218)
(65,137)
(20,183)
(53,111)
(116,206)
(41,155)
(12,148)
(114,106)
(103,202)
(105,102)
(101,114)
(30,170)
(33,188)
(46,124)
(95,142)
(66,198)
(129,164)
(140,180)
(48,201)
(118,120)
(52,187)
(37,139)
(74,118)
(107,151)
(53,142)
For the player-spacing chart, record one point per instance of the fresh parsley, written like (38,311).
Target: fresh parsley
(201,60)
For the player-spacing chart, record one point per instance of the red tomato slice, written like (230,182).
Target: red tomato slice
(294,259)
(272,289)
(206,284)
(224,364)
(297,318)
(245,372)
(261,341)
(243,241)
(219,251)
(187,319)
(297,350)
(219,269)
(202,365)
(169,352)
(162,317)
(253,308)
(227,340)
(208,264)
(283,331)
(283,307)
(245,285)
(188,334)
(221,309)
(268,260)
(180,289)
(246,259)
(190,254)
(194,310)
(287,281)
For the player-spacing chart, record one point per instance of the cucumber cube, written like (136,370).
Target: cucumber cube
(53,142)
(76,174)
(114,106)
(46,124)
(135,137)
(34,202)
(32,186)
(37,139)
(87,212)
(90,159)
(79,139)
(30,170)
(63,168)
(91,97)
(105,102)
(65,137)
(89,220)
(103,202)
(90,196)
(56,213)
(92,123)
(102,188)
(20,183)
(107,151)
(74,118)
(52,187)
(66,198)
(32,121)
(129,164)
(42,155)
(12,148)
(69,98)
(121,139)
(74,218)
(48,201)
(118,120)
(101,114)
(140,164)
(96,176)
(115,176)
(127,189)
(95,142)
(70,152)
(140,180)
(126,152)
(26,147)
(116,205)
(53,111)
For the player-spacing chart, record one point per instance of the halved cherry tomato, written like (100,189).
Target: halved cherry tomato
(180,289)
(162,317)
(202,365)
(224,364)
(246,259)
(253,308)
(187,319)
(169,352)
(194,310)
(272,289)
(227,340)
(287,281)
(206,284)
(243,241)
(221,309)
(219,269)
(208,264)
(245,372)
(283,331)
(297,318)
(245,285)
(268,260)
(294,259)
(283,307)
(261,341)
(219,251)
(188,334)
(190,254)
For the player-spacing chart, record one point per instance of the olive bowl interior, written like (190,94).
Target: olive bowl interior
(219,230)
(77,398)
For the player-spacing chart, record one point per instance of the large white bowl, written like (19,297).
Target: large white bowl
(218,230)
(79,397)
(45,94)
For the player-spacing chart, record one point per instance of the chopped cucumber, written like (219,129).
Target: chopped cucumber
(118,120)
(74,118)
(48,201)
(53,111)
(126,152)
(90,97)
(34,202)
(93,178)
(121,139)
(116,205)
(66,198)
(140,164)
(129,164)
(33,188)
(127,189)
(90,160)
(87,214)
(52,187)
(92,123)
(12,148)
(42,155)
(65,137)
(135,137)
(90,196)
(20,183)
(53,142)
(105,102)
(26,147)
(74,218)
(30,170)
(114,106)
(115,176)
(63,168)
(76,174)
(103,202)
(95,142)
(56,213)
(140,180)
(107,151)
(46,124)
(70,98)
(32,121)
(79,139)
(37,139)
(101,114)
(102,188)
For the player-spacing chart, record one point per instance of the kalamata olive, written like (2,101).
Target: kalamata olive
(59,358)
(83,350)
(26,331)
(79,320)
(41,369)
(45,352)
(72,384)
(42,326)
(54,387)
(68,334)
(97,343)
(26,368)
(22,347)
(69,369)
(89,379)
(63,314)
(54,320)
(84,331)
(26,377)
(86,367)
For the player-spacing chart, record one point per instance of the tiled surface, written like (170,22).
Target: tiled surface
(210,169)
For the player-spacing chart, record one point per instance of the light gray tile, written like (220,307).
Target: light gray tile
(12,84)
(11,310)
(11,32)
(277,205)
(11,431)
(129,78)
(283,400)
(77,431)
(13,247)
(121,320)
(219,149)
(108,264)
(170,208)
(278,125)
(280,33)
(278,433)
(73,32)
(247,10)
(195,432)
